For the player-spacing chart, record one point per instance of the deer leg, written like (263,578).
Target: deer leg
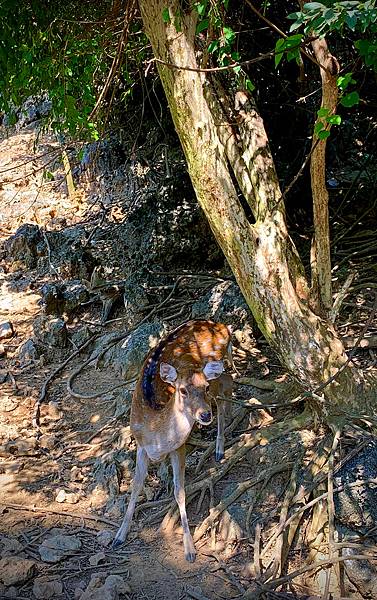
(178,461)
(219,453)
(139,478)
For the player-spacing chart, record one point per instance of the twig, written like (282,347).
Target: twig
(331,510)
(42,395)
(239,491)
(305,507)
(340,297)
(59,512)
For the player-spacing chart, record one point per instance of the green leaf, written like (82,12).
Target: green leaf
(314,6)
(249,85)
(350,99)
(201,7)
(344,81)
(279,46)
(323,134)
(229,34)
(213,46)
(318,127)
(323,112)
(334,120)
(202,25)
(166,15)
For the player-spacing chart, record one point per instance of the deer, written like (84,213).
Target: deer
(178,381)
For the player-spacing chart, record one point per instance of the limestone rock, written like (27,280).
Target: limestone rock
(47,588)
(16,570)
(56,547)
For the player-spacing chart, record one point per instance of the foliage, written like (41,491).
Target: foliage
(358,17)
(220,37)
(64,49)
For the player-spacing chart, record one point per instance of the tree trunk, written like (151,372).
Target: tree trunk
(261,255)
(321,289)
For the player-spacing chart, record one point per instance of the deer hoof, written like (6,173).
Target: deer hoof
(190,556)
(219,456)
(116,543)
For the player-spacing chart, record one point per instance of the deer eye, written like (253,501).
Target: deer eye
(184,392)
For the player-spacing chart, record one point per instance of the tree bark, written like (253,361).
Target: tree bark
(261,255)
(321,288)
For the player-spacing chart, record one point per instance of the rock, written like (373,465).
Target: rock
(10,546)
(81,336)
(50,331)
(8,404)
(54,411)
(135,299)
(95,559)
(110,588)
(74,294)
(128,355)
(60,298)
(68,497)
(6,330)
(2,351)
(105,537)
(16,570)
(3,376)
(21,248)
(225,303)
(356,506)
(47,441)
(21,446)
(56,547)
(47,588)
(33,109)
(11,592)
(76,474)
(361,573)
(27,352)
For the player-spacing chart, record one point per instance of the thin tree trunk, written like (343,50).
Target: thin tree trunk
(260,254)
(321,289)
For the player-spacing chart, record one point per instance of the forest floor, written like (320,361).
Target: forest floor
(56,519)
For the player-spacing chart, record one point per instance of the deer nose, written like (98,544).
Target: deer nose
(206,417)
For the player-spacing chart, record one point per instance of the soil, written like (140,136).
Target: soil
(83,453)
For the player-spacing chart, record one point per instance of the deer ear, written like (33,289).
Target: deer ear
(168,373)
(213,369)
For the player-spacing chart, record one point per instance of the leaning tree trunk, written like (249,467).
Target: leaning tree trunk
(261,254)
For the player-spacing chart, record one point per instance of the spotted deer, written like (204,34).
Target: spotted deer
(174,391)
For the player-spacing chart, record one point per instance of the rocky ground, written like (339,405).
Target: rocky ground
(89,281)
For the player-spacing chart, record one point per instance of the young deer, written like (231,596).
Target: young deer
(178,379)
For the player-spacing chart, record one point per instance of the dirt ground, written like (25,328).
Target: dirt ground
(65,481)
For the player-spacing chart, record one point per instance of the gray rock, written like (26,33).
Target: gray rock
(105,537)
(361,573)
(47,588)
(74,294)
(27,352)
(135,299)
(21,248)
(51,331)
(356,507)
(60,298)
(105,588)
(127,356)
(224,303)
(81,336)
(9,546)
(56,547)
(6,330)
(16,570)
